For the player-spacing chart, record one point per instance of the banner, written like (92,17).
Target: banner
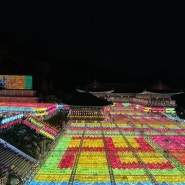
(16,82)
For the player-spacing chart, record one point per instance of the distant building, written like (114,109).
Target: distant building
(153,98)
(84,105)
(24,96)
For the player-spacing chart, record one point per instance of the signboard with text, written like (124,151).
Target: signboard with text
(16,82)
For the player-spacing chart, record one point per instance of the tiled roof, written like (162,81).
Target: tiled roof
(160,87)
(97,87)
(85,99)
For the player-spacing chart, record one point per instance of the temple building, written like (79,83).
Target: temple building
(96,89)
(84,105)
(155,98)
(157,95)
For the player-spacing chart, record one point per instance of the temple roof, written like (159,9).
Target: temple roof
(95,87)
(161,88)
(86,99)
(127,88)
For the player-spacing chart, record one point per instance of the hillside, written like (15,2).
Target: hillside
(66,74)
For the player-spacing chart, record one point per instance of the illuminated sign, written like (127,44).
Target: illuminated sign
(16,82)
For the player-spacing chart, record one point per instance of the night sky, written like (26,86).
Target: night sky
(128,37)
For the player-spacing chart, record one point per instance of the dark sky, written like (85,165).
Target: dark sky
(126,36)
